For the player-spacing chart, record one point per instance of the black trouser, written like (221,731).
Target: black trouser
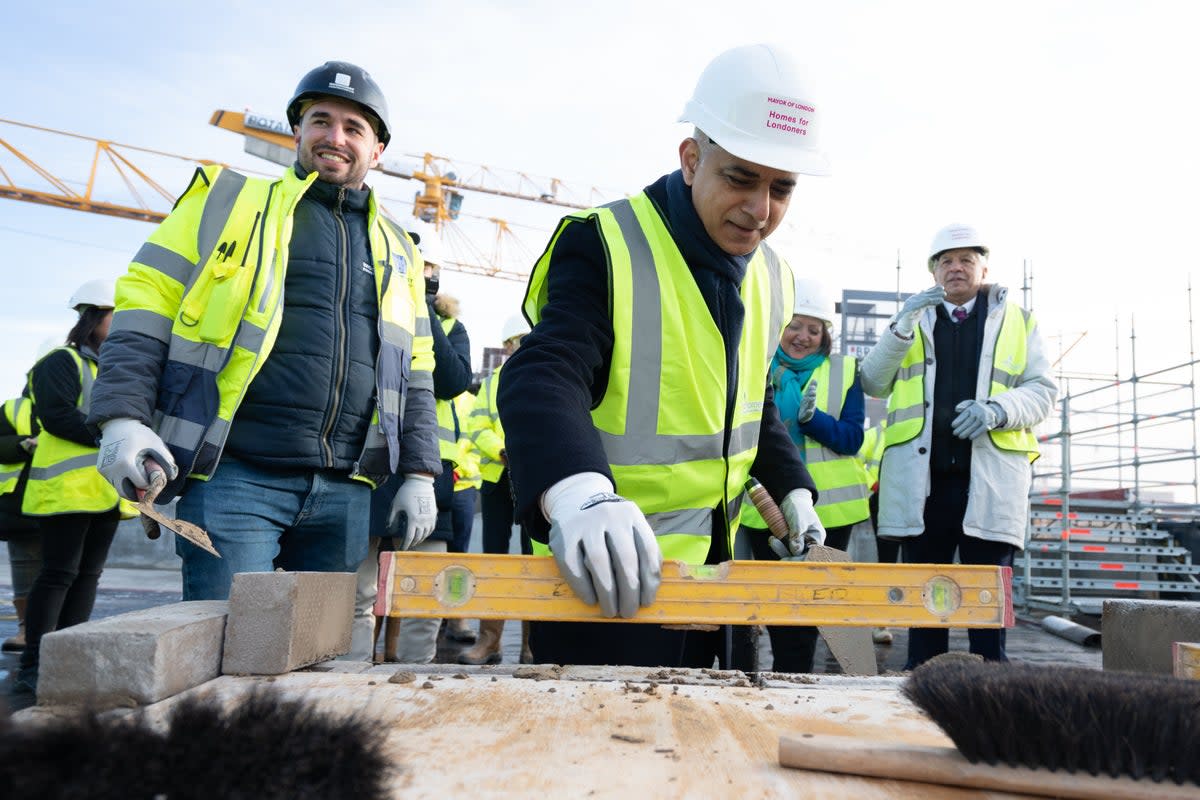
(889,549)
(496,504)
(463,516)
(74,549)
(944,511)
(793,646)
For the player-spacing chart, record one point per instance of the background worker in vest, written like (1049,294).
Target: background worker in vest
(966,380)
(656,318)
(286,362)
(77,511)
(887,550)
(413,640)
(18,439)
(467,482)
(820,402)
(495,495)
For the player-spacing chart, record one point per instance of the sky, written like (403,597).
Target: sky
(1064,131)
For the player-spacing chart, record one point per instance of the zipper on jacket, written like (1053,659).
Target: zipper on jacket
(340,356)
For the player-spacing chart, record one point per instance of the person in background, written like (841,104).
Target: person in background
(966,378)
(467,481)
(820,401)
(76,509)
(18,439)
(888,550)
(496,504)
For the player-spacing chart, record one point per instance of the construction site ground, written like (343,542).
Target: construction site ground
(519,730)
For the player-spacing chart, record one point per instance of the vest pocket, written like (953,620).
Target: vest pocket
(216,303)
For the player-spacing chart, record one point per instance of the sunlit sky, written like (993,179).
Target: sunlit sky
(1064,130)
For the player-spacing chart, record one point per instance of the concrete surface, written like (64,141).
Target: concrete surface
(1138,634)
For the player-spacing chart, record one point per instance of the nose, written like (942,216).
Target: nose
(758,204)
(335,135)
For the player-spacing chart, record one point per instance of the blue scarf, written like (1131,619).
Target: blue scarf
(789,377)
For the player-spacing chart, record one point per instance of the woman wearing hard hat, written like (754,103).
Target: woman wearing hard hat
(77,510)
(821,404)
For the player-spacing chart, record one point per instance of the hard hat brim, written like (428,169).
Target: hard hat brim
(766,154)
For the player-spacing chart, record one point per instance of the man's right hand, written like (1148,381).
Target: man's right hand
(604,547)
(906,320)
(125,445)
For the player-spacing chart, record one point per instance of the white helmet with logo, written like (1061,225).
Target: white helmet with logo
(514,326)
(952,237)
(99,292)
(756,103)
(813,299)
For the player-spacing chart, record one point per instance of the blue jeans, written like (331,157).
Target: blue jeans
(260,519)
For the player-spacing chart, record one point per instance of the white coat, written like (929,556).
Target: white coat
(998,497)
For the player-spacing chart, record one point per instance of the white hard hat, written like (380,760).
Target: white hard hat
(99,292)
(813,299)
(418,229)
(755,102)
(953,237)
(431,247)
(514,326)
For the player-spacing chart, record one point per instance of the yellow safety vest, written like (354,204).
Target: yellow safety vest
(63,478)
(906,404)
(467,464)
(871,452)
(673,445)
(446,418)
(840,481)
(19,413)
(487,434)
(209,285)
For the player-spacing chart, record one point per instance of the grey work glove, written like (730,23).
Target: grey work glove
(604,547)
(975,418)
(808,403)
(804,526)
(125,446)
(906,320)
(416,501)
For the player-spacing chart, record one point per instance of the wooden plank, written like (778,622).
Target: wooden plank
(480,586)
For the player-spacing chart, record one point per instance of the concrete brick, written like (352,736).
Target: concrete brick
(1187,660)
(281,621)
(133,659)
(1138,634)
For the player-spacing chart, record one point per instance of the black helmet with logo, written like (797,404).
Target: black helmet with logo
(343,80)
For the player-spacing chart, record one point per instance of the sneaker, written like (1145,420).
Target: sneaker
(881,636)
(460,631)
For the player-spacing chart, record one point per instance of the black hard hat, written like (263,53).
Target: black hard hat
(346,81)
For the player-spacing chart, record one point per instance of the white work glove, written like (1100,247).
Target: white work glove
(808,403)
(125,445)
(804,526)
(906,320)
(975,418)
(604,547)
(415,499)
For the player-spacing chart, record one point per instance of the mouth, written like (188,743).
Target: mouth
(331,156)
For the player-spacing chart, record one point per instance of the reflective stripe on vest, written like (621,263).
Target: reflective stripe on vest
(63,478)
(209,284)
(487,434)
(673,446)
(19,413)
(446,420)
(906,404)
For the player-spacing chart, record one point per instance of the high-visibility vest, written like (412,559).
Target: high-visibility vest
(906,404)
(467,465)
(841,484)
(63,478)
(209,284)
(871,452)
(674,446)
(19,413)
(447,420)
(487,434)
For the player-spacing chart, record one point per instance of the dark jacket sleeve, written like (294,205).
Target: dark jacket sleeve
(778,466)
(56,388)
(451,358)
(843,434)
(550,385)
(127,386)
(11,451)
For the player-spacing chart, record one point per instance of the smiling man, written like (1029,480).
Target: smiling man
(966,380)
(277,330)
(656,318)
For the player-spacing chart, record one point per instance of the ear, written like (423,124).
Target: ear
(296,134)
(377,152)
(689,159)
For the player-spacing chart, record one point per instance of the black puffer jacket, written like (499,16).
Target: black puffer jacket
(311,404)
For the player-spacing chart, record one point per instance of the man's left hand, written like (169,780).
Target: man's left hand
(976,418)
(418,504)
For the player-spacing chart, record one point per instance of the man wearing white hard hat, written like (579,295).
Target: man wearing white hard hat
(966,379)
(638,407)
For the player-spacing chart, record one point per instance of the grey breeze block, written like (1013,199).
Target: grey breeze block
(281,621)
(133,659)
(1138,634)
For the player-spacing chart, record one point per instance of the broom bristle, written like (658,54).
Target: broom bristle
(1064,718)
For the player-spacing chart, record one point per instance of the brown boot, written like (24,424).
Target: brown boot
(391,639)
(16,644)
(458,630)
(526,653)
(487,650)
